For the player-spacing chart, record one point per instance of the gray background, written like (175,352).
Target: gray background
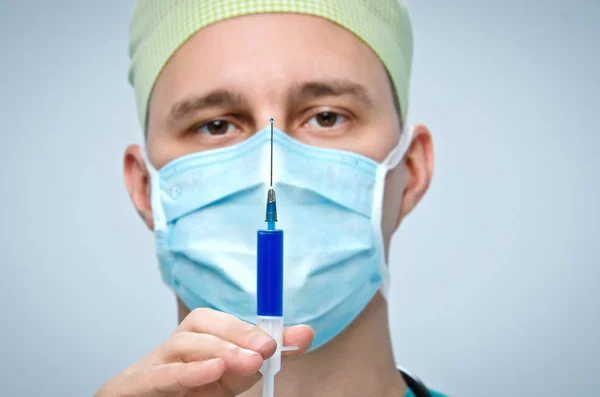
(494,275)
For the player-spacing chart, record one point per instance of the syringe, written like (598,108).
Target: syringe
(270,286)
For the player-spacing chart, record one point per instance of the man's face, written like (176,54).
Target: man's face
(321,84)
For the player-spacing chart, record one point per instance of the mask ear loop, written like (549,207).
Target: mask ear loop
(391,161)
(158,213)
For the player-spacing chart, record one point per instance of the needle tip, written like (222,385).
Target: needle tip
(271,119)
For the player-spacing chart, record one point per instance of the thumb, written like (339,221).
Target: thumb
(300,336)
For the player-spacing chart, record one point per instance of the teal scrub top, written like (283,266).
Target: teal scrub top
(409,393)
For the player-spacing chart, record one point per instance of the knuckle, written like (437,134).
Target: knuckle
(200,314)
(178,338)
(171,347)
(195,317)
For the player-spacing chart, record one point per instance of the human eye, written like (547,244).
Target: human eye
(215,128)
(326,120)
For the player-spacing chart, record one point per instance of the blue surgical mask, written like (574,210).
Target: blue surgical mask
(208,206)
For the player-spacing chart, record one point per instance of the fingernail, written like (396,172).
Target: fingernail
(258,340)
(245,353)
(212,361)
(289,348)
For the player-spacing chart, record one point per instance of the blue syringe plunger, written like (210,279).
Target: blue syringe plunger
(269,289)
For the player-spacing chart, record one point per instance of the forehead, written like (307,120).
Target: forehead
(263,56)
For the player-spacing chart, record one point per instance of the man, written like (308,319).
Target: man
(334,75)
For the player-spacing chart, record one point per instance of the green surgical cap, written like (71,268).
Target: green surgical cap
(159,27)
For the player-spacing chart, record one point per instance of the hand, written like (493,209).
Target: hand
(211,354)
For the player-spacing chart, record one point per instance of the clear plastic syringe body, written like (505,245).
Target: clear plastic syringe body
(269,288)
(269,291)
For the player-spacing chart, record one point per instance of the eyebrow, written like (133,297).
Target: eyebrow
(331,88)
(300,92)
(217,98)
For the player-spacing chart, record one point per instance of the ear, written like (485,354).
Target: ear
(419,170)
(137,181)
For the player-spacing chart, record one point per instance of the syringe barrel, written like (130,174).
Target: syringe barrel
(269,280)
(272,326)
(271,366)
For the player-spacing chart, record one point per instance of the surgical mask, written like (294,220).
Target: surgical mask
(208,206)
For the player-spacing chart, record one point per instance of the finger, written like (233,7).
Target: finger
(190,347)
(230,328)
(169,379)
(196,374)
(300,336)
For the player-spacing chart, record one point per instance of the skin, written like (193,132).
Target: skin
(264,62)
